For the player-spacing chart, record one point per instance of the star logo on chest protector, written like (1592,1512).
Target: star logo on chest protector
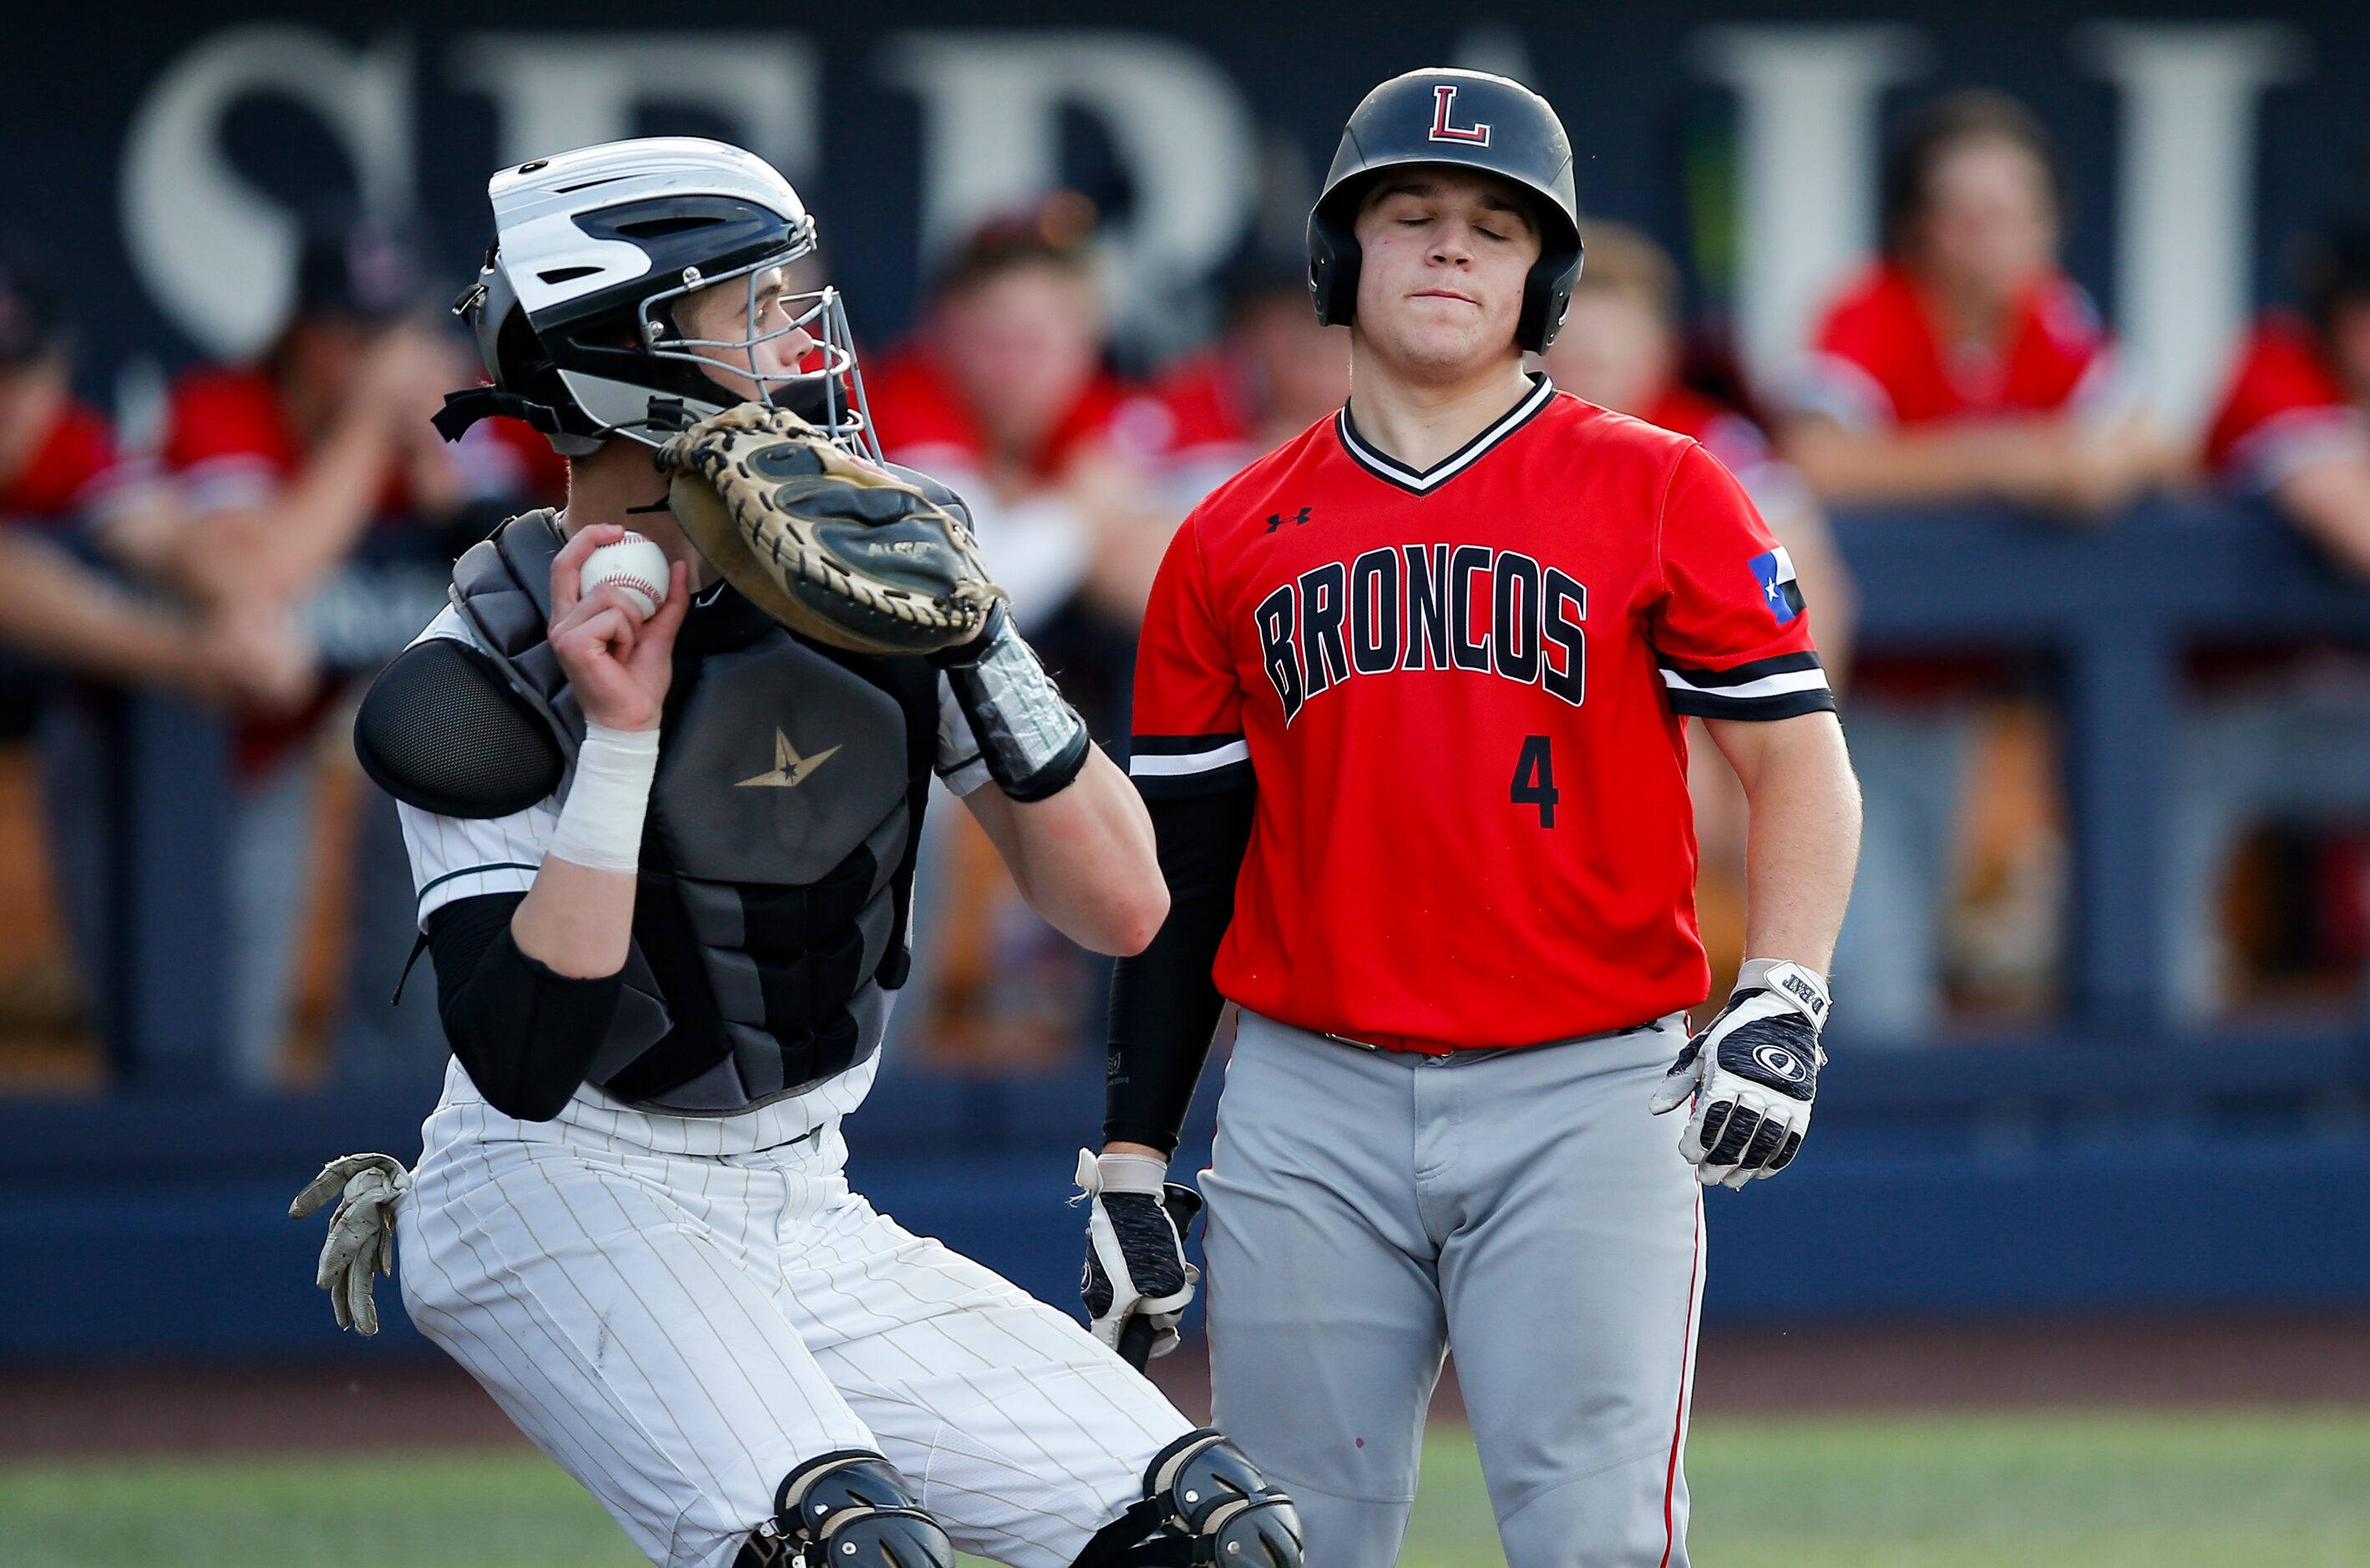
(790,769)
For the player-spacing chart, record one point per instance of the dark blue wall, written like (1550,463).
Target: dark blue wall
(1650,128)
(124,1247)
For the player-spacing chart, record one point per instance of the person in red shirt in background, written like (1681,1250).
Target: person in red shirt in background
(288,468)
(2295,425)
(1963,365)
(67,503)
(2283,732)
(65,499)
(1274,371)
(1621,348)
(1003,394)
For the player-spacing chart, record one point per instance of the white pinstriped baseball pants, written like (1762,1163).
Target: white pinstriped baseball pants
(679,1330)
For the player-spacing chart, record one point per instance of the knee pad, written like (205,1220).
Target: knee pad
(1203,1503)
(849,1510)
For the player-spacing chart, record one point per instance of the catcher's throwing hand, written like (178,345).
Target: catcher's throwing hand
(1136,1247)
(830,545)
(618,665)
(362,1232)
(1753,1075)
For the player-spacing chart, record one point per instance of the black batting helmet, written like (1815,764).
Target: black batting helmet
(1472,119)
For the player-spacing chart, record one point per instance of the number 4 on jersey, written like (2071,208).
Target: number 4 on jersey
(1535,778)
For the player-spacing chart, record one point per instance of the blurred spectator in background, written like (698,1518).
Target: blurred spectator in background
(1272,373)
(1620,348)
(64,495)
(2292,428)
(1004,393)
(288,467)
(1963,365)
(2282,733)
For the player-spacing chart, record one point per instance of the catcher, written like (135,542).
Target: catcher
(664,867)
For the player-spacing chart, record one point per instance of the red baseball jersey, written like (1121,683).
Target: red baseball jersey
(1878,360)
(2285,410)
(1460,695)
(921,419)
(65,475)
(229,444)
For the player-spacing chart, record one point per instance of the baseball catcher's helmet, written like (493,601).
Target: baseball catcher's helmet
(1474,120)
(592,249)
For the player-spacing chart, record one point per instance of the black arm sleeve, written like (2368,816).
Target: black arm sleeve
(525,1033)
(1164,1004)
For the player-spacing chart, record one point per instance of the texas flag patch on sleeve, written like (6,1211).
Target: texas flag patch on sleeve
(1776,571)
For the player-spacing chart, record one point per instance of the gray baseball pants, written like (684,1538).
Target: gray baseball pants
(1369,1209)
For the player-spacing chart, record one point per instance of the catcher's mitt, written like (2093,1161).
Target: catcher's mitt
(826,544)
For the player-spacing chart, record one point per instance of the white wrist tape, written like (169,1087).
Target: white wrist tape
(1131,1173)
(601,822)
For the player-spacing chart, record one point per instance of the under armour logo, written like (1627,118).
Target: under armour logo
(790,769)
(1277,519)
(1443,100)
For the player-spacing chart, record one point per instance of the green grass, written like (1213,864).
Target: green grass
(2163,1491)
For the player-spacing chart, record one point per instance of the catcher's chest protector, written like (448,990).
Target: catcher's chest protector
(777,853)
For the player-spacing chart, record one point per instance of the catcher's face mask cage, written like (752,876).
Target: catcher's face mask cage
(580,309)
(811,368)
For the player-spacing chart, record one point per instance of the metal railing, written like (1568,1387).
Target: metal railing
(2113,606)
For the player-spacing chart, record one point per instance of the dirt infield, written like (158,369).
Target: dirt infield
(2256,1360)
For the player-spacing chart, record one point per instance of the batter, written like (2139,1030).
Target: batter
(1411,705)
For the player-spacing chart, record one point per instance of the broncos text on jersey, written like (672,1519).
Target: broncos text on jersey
(1460,695)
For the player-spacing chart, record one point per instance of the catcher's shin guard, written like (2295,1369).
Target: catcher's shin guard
(1204,1503)
(849,1510)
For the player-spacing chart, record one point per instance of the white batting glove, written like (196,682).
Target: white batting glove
(1752,1075)
(1135,1254)
(362,1230)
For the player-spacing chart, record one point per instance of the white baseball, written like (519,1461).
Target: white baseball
(636,565)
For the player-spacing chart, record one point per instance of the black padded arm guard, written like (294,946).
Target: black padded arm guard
(1033,743)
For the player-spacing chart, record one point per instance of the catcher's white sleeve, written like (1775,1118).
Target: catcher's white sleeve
(454,857)
(960,765)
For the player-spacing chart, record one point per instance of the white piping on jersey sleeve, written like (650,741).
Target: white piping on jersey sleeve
(457,858)
(1766,686)
(1784,685)
(1142,766)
